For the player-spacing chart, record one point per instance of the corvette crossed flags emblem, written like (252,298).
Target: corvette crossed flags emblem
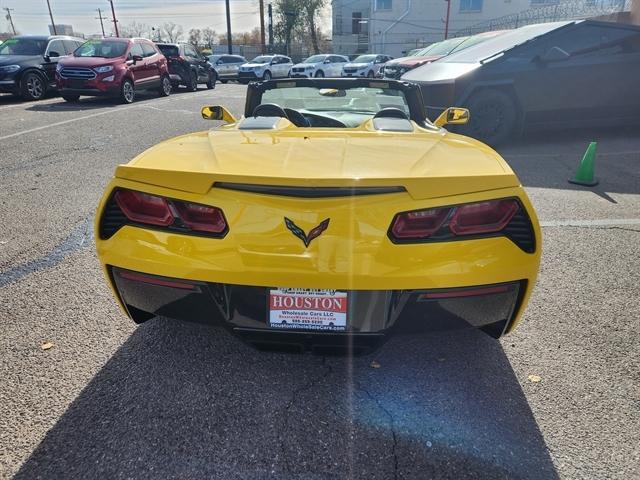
(313,233)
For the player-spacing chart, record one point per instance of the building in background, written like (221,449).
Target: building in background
(61,29)
(394,27)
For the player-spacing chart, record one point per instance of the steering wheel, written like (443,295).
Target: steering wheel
(269,110)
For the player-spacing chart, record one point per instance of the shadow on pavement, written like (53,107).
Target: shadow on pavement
(186,401)
(548,159)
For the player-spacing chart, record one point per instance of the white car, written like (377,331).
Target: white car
(265,67)
(320,66)
(365,66)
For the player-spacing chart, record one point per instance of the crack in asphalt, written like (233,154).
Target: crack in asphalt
(392,425)
(79,238)
(292,400)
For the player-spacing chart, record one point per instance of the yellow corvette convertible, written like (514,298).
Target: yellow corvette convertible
(331,215)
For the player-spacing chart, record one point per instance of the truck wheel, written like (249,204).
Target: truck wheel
(493,117)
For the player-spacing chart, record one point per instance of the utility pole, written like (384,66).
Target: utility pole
(53,24)
(270,13)
(229,41)
(115,21)
(9,10)
(446,22)
(262,25)
(101,24)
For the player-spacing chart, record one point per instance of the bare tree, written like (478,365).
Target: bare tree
(288,17)
(135,29)
(311,10)
(172,32)
(195,36)
(209,36)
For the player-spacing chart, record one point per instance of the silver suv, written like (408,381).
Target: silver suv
(227,66)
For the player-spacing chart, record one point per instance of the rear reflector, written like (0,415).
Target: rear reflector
(466,292)
(139,277)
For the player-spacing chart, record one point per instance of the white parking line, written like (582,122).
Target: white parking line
(604,222)
(93,115)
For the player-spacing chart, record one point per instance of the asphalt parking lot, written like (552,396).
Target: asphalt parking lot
(176,400)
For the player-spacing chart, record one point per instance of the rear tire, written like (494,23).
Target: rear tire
(493,117)
(165,87)
(213,78)
(192,85)
(71,98)
(127,91)
(33,86)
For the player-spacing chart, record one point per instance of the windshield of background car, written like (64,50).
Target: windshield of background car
(315,59)
(23,46)
(97,48)
(169,50)
(501,43)
(471,41)
(445,47)
(262,59)
(365,59)
(365,100)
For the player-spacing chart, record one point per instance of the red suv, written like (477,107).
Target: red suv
(117,67)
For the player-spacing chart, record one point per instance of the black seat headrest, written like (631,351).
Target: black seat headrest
(269,110)
(391,112)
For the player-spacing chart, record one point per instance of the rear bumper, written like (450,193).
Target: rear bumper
(372,316)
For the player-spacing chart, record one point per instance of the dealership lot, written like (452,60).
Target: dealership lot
(169,399)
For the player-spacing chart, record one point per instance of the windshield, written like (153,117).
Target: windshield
(354,104)
(98,48)
(262,59)
(315,59)
(500,43)
(23,46)
(169,50)
(365,59)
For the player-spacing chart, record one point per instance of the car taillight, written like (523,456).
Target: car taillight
(419,224)
(143,208)
(454,221)
(201,218)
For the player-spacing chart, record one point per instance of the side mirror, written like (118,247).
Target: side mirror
(217,112)
(137,58)
(53,53)
(452,116)
(554,54)
(219,62)
(327,61)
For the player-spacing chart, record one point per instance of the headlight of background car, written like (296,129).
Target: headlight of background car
(9,68)
(103,69)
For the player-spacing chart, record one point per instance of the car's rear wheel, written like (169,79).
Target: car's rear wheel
(267,76)
(213,78)
(319,74)
(165,87)
(127,91)
(33,86)
(493,117)
(192,84)
(71,98)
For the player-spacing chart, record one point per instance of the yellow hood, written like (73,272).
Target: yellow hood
(428,164)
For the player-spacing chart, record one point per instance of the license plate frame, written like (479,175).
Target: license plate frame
(312,310)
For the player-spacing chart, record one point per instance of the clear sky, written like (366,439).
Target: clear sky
(32,16)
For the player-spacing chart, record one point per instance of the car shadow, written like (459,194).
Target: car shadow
(90,103)
(182,400)
(548,159)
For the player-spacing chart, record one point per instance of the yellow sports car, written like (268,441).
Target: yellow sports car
(331,215)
